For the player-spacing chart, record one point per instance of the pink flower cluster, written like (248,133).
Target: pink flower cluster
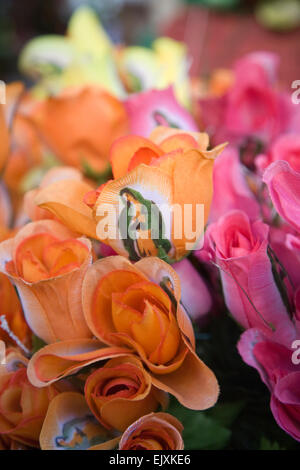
(253,236)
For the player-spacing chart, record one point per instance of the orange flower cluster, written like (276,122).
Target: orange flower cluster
(88,311)
(93,332)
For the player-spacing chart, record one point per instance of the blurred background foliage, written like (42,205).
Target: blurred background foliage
(140,21)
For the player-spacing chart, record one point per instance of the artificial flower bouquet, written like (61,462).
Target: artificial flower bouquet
(126,232)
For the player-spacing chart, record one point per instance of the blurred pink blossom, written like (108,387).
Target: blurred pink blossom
(252,106)
(285,147)
(150,109)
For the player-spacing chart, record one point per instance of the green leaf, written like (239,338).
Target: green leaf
(226,413)
(200,430)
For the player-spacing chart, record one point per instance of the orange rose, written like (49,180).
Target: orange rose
(160,171)
(121,392)
(13,327)
(69,425)
(122,306)
(47,265)
(22,407)
(156,431)
(128,152)
(134,308)
(156,173)
(80,124)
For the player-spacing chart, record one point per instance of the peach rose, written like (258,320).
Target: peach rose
(134,309)
(155,431)
(123,307)
(121,392)
(22,407)
(47,265)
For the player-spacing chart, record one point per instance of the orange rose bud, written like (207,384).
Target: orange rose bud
(153,178)
(155,431)
(121,392)
(93,119)
(47,265)
(23,407)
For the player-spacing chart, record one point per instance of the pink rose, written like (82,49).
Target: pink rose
(253,106)
(286,147)
(230,187)
(284,187)
(239,248)
(275,364)
(154,108)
